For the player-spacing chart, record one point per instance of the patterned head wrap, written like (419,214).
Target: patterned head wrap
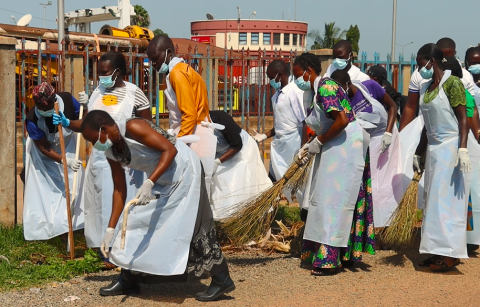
(43,93)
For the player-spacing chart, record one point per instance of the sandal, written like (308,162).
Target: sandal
(324,272)
(107,266)
(429,261)
(441,265)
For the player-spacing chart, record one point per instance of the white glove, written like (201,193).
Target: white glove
(315,146)
(259,137)
(386,141)
(144,194)
(302,151)
(107,241)
(83,99)
(416,164)
(74,164)
(464,159)
(216,163)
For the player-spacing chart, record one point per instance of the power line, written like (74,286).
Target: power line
(25,14)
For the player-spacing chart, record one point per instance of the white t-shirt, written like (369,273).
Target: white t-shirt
(354,72)
(416,82)
(288,109)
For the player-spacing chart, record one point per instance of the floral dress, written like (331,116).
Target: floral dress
(331,97)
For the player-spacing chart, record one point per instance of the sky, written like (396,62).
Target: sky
(419,21)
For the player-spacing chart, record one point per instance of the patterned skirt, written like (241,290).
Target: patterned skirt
(362,234)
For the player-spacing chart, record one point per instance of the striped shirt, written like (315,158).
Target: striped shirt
(141,101)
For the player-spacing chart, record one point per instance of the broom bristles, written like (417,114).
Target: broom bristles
(256,215)
(402,229)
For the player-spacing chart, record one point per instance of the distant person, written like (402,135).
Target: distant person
(343,60)
(379,74)
(447,46)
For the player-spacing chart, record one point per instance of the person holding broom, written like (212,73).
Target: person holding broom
(44,212)
(447,167)
(171,236)
(339,225)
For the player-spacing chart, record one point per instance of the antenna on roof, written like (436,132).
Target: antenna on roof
(253,14)
(25,20)
(210,16)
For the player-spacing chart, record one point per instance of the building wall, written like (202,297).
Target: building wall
(227,33)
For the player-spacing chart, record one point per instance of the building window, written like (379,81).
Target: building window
(266,38)
(276,38)
(242,38)
(286,39)
(254,39)
(295,40)
(301,40)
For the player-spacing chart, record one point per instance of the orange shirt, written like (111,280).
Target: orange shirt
(191,92)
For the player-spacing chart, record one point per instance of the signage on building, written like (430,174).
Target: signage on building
(201,39)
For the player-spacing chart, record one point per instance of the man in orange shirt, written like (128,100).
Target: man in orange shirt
(186,91)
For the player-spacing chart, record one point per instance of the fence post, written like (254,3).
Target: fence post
(8,128)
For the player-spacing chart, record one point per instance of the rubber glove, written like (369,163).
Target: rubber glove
(464,159)
(259,137)
(416,164)
(301,153)
(216,163)
(107,241)
(144,194)
(74,164)
(83,99)
(386,141)
(60,118)
(315,146)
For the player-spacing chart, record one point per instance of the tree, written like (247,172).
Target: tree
(141,18)
(157,32)
(353,36)
(330,37)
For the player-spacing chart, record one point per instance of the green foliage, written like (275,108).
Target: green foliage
(32,263)
(289,215)
(353,36)
(331,35)
(157,32)
(141,18)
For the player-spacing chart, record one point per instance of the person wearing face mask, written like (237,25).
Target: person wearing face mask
(448,47)
(343,60)
(122,100)
(472,64)
(238,172)
(447,166)
(187,100)
(170,235)
(288,117)
(339,226)
(370,98)
(44,211)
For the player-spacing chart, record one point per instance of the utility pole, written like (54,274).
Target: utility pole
(394,28)
(61,23)
(45,12)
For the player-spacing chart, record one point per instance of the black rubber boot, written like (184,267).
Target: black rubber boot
(120,287)
(221,284)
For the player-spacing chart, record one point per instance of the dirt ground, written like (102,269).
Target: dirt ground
(386,279)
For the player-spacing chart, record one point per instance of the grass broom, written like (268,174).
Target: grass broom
(402,229)
(255,215)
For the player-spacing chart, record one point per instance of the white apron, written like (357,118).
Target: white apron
(205,149)
(282,152)
(45,206)
(385,167)
(337,181)
(98,181)
(446,187)
(159,234)
(473,237)
(239,178)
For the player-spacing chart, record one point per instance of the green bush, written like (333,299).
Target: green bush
(288,214)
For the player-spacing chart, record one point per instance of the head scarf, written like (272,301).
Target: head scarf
(43,93)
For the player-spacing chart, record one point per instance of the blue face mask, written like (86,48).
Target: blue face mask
(102,146)
(474,69)
(302,84)
(340,64)
(164,68)
(48,113)
(426,73)
(107,81)
(275,85)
